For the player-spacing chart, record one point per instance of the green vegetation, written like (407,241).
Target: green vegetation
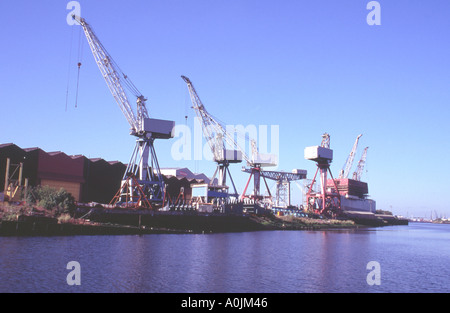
(55,202)
(10,212)
(301,223)
(43,200)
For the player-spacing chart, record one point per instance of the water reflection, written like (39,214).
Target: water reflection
(412,258)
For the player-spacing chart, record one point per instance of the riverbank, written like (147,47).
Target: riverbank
(374,220)
(163,224)
(302,223)
(28,228)
(197,222)
(18,221)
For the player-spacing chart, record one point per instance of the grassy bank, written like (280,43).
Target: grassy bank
(301,223)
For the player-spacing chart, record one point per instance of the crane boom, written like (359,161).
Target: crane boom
(115,79)
(358,173)
(348,164)
(212,129)
(217,137)
(210,126)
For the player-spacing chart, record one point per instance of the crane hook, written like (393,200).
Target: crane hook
(78,81)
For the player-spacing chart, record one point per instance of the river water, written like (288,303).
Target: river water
(413,258)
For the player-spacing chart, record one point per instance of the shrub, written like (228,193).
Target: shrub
(53,200)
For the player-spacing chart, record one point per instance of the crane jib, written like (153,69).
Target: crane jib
(110,72)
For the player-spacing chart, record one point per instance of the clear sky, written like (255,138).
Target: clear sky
(307,66)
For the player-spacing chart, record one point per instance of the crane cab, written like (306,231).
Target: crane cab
(161,129)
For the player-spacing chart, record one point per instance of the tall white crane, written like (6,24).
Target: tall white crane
(343,174)
(217,138)
(359,169)
(146,173)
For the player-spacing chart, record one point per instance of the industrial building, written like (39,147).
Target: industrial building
(179,183)
(87,179)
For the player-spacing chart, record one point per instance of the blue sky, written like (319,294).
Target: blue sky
(308,66)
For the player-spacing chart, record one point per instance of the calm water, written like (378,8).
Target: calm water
(412,258)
